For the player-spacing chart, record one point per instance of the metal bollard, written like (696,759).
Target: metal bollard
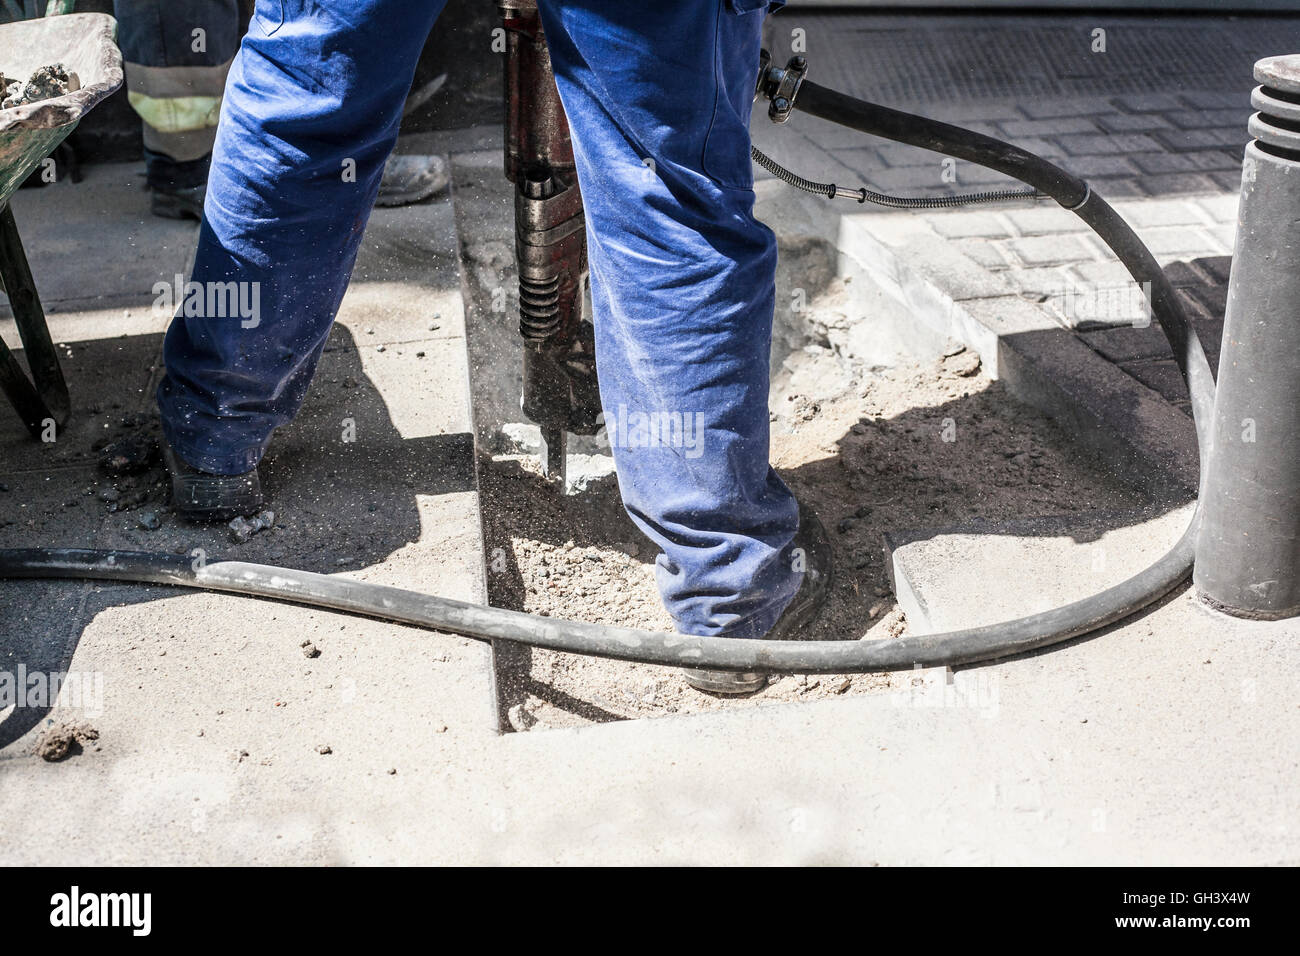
(1248,549)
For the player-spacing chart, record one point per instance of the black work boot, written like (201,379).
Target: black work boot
(201,496)
(819,569)
(407,179)
(177,203)
(177,187)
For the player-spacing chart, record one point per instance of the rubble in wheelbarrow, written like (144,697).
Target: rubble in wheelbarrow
(45,83)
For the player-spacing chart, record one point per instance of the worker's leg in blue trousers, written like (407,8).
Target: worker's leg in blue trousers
(311,111)
(658,98)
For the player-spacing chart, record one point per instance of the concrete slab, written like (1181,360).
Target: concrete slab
(941,576)
(407,276)
(131,249)
(1166,741)
(485,224)
(68,326)
(1162,742)
(356,378)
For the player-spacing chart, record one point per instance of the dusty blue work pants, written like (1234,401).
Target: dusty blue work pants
(658,97)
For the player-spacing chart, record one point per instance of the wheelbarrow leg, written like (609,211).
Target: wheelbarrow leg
(48,400)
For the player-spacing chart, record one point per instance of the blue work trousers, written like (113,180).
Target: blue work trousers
(658,98)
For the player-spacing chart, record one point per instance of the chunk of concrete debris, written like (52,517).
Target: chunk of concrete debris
(309,649)
(130,454)
(132,496)
(584,470)
(964,364)
(65,739)
(520,719)
(242,529)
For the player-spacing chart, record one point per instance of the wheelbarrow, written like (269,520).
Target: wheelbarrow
(83,43)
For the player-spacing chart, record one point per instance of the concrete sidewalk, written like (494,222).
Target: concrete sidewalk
(1168,741)
(374,480)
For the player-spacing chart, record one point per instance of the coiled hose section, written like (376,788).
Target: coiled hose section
(988,642)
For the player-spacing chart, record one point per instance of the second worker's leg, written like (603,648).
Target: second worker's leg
(177,54)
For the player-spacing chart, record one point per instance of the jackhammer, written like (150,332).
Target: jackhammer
(560,393)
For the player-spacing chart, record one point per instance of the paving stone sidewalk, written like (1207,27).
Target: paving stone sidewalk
(1162,144)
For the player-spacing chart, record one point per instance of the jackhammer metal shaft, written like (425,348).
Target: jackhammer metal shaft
(559,390)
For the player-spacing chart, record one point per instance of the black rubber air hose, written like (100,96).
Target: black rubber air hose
(965,646)
(597,640)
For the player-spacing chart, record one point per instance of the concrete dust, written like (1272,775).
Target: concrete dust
(929,444)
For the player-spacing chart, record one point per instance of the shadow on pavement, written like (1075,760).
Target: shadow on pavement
(339,504)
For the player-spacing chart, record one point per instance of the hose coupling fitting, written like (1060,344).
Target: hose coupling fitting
(780,86)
